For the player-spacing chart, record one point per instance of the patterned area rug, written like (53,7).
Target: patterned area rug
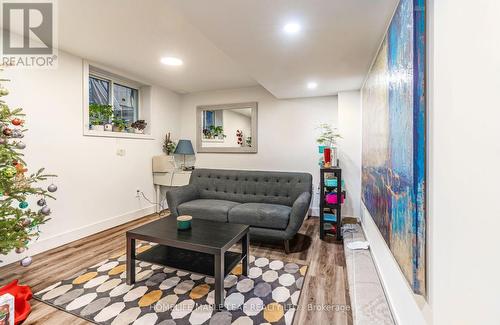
(166,296)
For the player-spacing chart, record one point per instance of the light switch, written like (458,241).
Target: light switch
(120,152)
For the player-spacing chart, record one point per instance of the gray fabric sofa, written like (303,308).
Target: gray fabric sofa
(274,204)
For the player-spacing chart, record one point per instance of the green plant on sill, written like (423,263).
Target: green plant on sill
(99,114)
(214,132)
(119,123)
(139,124)
(328,135)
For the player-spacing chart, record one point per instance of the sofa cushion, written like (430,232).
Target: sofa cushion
(215,210)
(262,215)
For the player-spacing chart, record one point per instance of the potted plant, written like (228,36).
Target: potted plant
(139,126)
(168,145)
(328,136)
(99,115)
(119,125)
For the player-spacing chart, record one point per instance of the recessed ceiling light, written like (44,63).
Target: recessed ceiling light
(312,85)
(171,61)
(291,28)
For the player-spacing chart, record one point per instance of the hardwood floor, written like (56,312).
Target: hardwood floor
(324,298)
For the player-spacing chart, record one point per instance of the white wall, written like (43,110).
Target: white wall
(286,130)
(464,162)
(96,187)
(462,180)
(349,114)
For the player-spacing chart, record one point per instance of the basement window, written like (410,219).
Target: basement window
(127,100)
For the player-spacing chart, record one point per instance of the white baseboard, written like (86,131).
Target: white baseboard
(406,307)
(314,212)
(78,233)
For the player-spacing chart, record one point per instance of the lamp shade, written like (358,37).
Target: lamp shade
(184,147)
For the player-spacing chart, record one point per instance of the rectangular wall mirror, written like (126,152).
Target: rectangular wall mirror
(227,128)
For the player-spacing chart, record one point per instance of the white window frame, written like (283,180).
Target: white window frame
(144,100)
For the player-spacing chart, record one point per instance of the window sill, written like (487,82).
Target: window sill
(213,140)
(110,134)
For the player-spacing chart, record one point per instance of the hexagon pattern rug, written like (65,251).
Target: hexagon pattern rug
(165,296)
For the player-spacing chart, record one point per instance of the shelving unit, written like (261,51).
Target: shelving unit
(335,209)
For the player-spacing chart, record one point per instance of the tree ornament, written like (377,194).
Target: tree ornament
(23,205)
(52,188)
(19,168)
(26,222)
(26,261)
(20,250)
(7,132)
(9,172)
(16,133)
(45,210)
(3,141)
(17,121)
(4,91)
(20,145)
(41,202)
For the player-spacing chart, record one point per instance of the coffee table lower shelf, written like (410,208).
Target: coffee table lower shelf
(188,260)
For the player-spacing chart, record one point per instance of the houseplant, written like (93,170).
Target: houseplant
(119,125)
(139,126)
(328,135)
(214,132)
(99,115)
(327,140)
(168,145)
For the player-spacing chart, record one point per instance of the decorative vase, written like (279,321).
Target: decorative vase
(97,127)
(108,127)
(139,131)
(116,128)
(327,152)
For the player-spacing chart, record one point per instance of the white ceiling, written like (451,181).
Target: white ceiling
(230,43)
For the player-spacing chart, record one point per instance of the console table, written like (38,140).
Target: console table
(165,173)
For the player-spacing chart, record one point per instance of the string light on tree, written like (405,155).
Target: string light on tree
(19,224)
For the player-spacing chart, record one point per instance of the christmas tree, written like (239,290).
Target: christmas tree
(19,224)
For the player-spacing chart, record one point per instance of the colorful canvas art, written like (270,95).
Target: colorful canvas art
(393,180)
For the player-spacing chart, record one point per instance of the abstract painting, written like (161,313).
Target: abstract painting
(394,145)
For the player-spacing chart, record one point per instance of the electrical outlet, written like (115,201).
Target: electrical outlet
(137,193)
(120,152)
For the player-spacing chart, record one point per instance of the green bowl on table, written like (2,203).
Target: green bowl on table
(184,222)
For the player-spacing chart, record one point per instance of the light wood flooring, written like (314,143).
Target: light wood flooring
(324,299)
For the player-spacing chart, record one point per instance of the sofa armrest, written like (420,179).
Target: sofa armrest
(179,195)
(299,211)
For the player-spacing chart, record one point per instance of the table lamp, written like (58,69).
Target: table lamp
(184,147)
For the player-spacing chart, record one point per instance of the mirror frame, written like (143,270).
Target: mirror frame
(199,112)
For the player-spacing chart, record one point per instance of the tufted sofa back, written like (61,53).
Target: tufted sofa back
(247,186)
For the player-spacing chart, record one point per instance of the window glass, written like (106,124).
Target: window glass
(125,103)
(98,91)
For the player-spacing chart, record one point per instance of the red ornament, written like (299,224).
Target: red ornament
(20,168)
(7,132)
(22,294)
(17,121)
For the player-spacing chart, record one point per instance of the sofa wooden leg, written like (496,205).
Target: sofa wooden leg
(287,246)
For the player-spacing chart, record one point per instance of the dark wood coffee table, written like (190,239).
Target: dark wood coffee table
(203,249)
